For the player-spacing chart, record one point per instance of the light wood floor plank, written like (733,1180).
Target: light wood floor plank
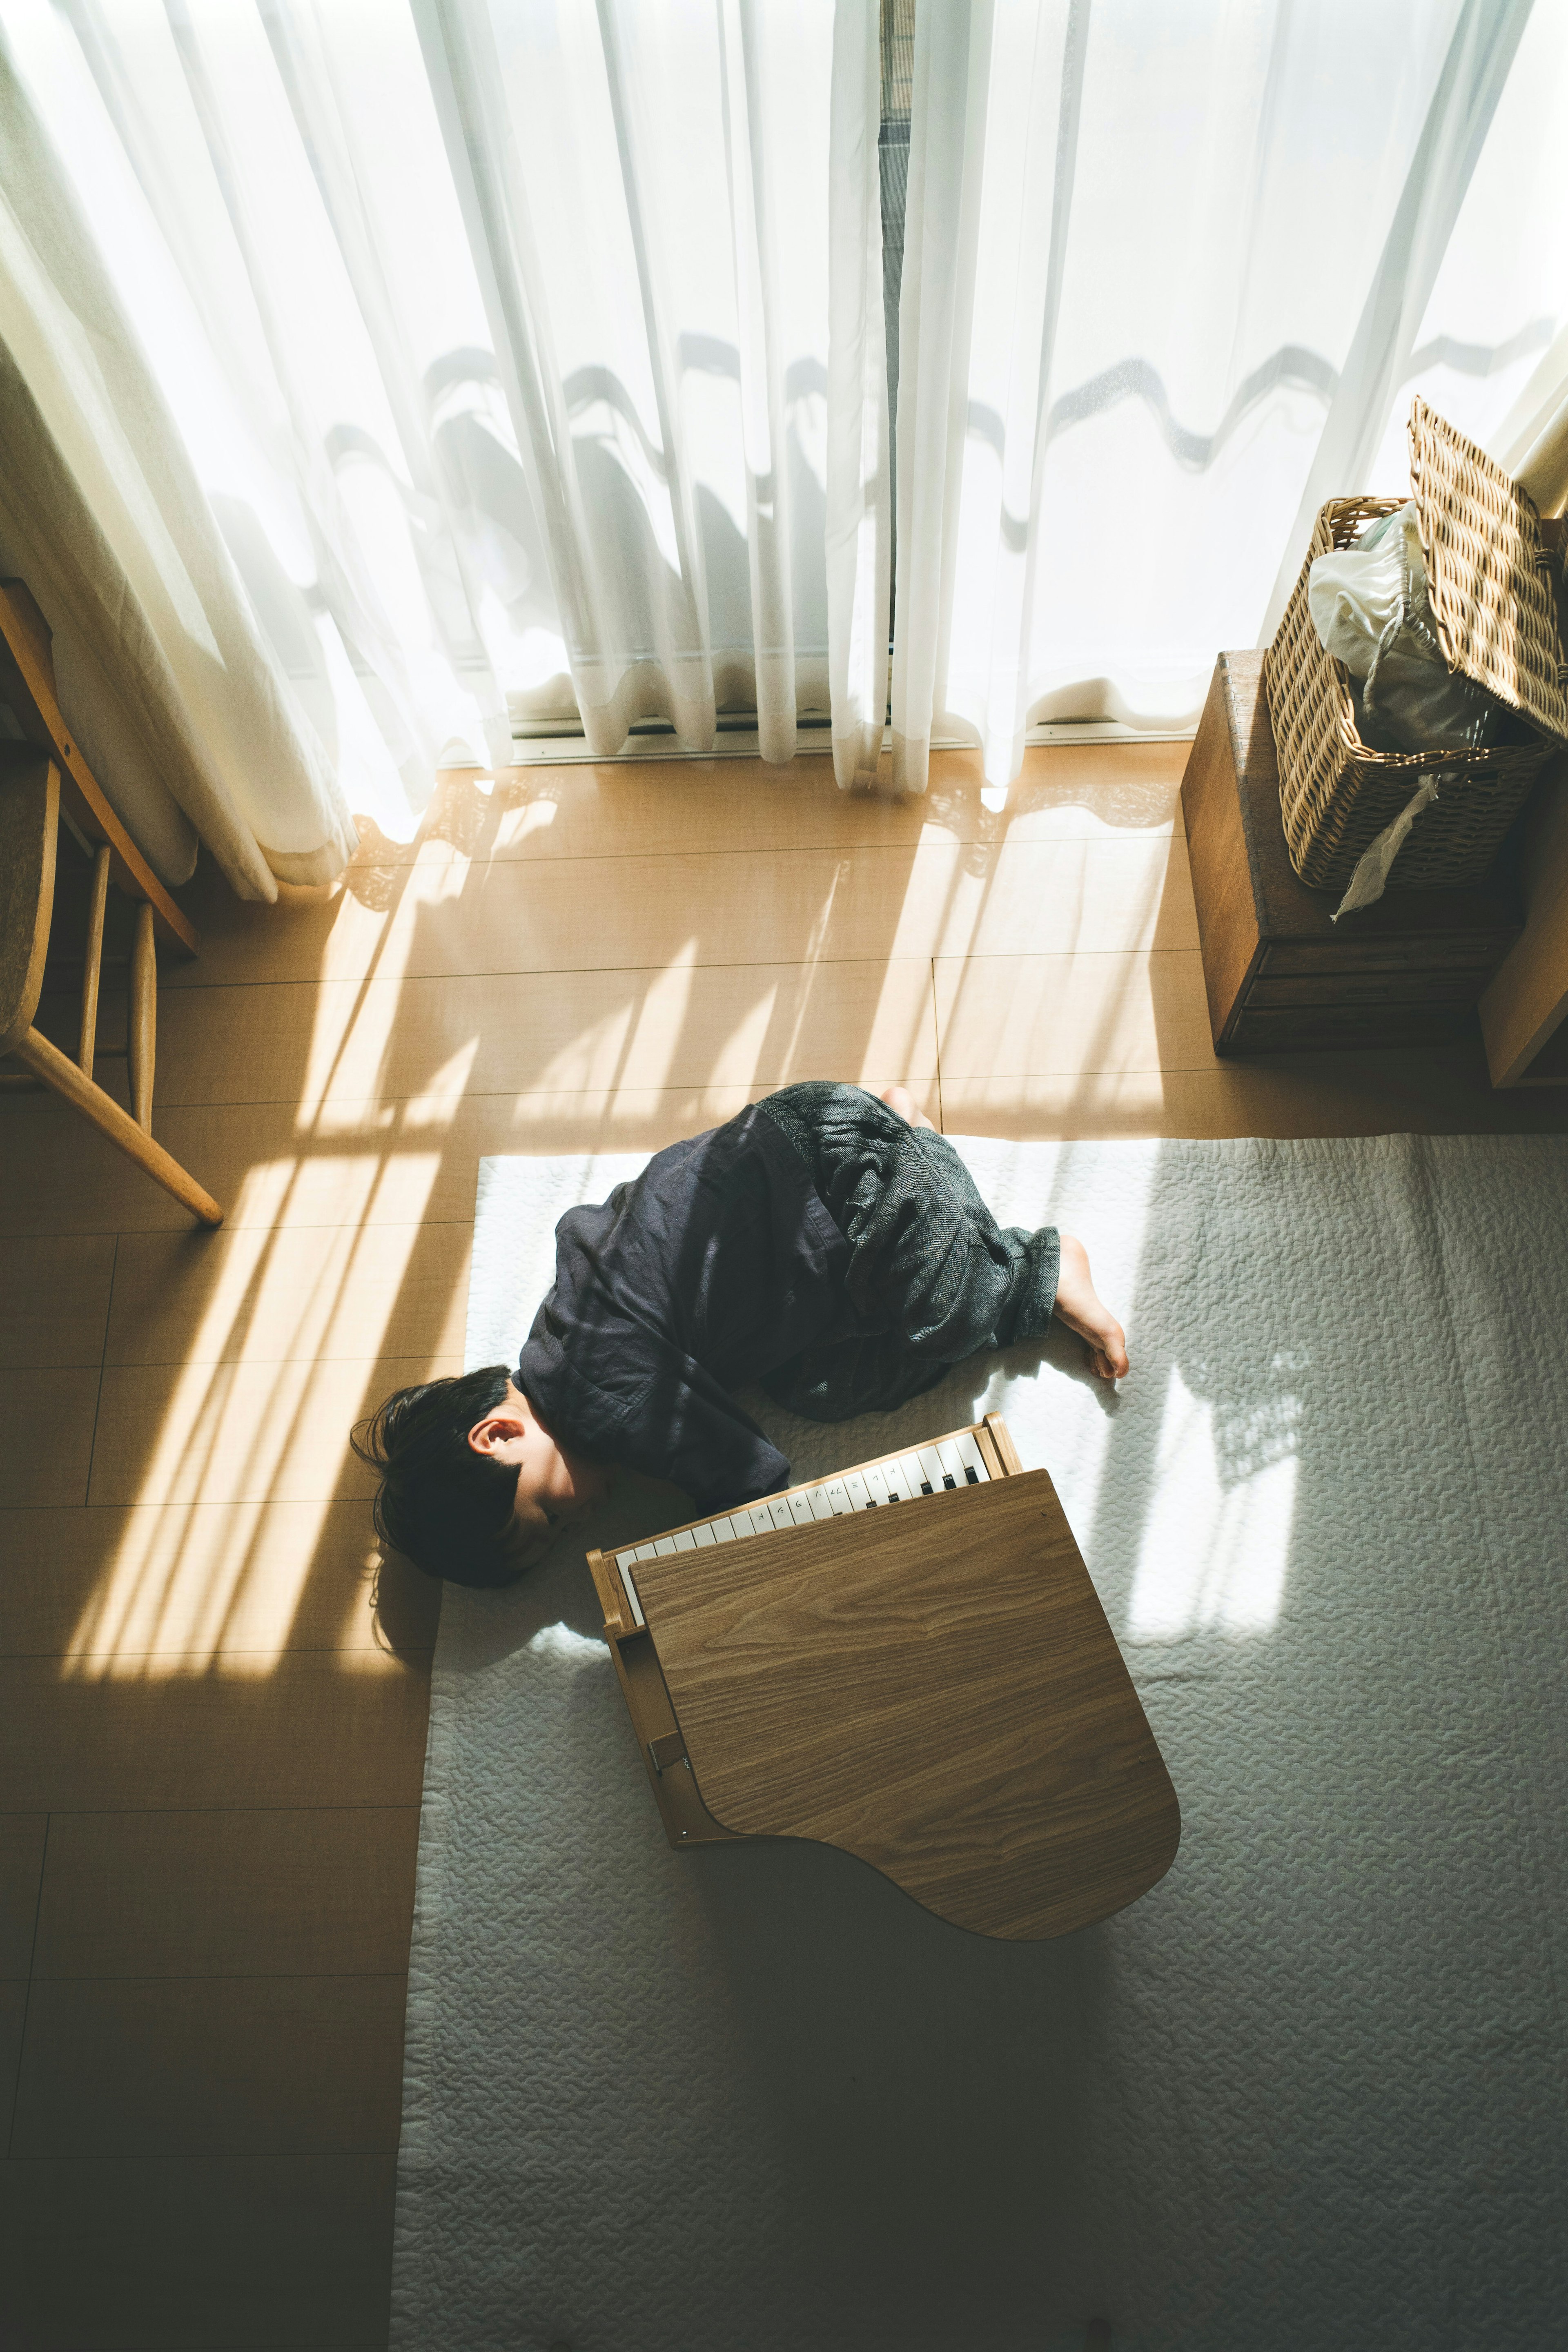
(200,1690)
(355,1163)
(259,1295)
(360,1163)
(750,1025)
(311,1892)
(1048,1015)
(1066,791)
(242,1433)
(53,1301)
(441,919)
(151,2255)
(305,1729)
(210,2067)
(373,1163)
(199,1584)
(47,1420)
(12,2021)
(1443,1091)
(21,1873)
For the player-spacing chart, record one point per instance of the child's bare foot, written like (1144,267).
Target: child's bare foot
(898,1098)
(1083,1311)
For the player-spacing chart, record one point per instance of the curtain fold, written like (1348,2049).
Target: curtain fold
(860,470)
(1532,442)
(1479,54)
(381,373)
(265,187)
(674,217)
(161,657)
(1170,278)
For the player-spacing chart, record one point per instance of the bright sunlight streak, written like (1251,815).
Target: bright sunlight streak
(1213,1551)
(223,1530)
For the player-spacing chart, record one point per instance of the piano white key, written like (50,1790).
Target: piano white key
(972,1459)
(623,1563)
(913,1477)
(955,1461)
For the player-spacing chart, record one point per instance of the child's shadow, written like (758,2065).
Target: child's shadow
(560,1592)
(1063,1350)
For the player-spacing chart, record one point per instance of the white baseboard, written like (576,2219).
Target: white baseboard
(559,750)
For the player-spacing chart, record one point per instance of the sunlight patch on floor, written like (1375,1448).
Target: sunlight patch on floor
(188,1589)
(1213,1551)
(1113,1234)
(183,1595)
(563,1645)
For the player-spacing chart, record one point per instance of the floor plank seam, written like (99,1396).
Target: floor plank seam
(103,1366)
(936,1046)
(87,1661)
(659,970)
(314,2154)
(27,1997)
(294,1805)
(331,1146)
(234,1976)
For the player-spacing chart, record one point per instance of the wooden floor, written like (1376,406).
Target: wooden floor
(211,1724)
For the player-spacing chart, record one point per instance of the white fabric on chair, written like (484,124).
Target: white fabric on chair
(1306,2092)
(110,529)
(48,539)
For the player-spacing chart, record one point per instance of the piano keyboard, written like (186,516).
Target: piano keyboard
(955,1461)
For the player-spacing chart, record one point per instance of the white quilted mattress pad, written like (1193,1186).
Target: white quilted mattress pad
(1308,2093)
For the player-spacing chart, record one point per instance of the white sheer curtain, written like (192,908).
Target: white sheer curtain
(159,666)
(513,356)
(675,211)
(268,193)
(1171,276)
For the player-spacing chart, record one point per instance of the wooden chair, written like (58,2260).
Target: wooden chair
(42,780)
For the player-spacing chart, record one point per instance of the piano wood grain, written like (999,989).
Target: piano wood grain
(941,1697)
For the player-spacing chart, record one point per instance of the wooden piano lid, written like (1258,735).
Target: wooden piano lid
(934,1688)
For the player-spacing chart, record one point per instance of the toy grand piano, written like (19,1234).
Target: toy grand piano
(907,1660)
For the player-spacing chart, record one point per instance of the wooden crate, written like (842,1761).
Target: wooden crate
(1282,975)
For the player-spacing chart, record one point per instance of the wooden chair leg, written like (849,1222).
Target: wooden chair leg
(60,1074)
(94,963)
(142,1037)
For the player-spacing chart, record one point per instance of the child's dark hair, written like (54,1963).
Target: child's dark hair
(444,1505)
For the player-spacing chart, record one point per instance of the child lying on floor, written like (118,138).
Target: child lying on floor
(825,1244)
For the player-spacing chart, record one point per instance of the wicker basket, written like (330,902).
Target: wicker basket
(1489,583)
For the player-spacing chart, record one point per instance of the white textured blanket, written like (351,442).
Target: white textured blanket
(1308,2091)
